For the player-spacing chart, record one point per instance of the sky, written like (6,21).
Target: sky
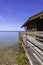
(14,13)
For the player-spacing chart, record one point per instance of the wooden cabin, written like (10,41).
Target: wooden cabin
(34,23)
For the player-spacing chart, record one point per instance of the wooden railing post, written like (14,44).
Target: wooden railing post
(26,38)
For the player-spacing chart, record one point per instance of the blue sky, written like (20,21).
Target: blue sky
(13,13)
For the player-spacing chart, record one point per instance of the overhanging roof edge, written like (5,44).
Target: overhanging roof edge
(32,18)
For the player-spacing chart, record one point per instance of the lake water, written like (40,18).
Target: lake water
(8,38)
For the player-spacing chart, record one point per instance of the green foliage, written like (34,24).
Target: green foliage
(22,59)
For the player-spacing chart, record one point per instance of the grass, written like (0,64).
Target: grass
(22,59)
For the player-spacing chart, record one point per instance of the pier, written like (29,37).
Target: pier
(32,42)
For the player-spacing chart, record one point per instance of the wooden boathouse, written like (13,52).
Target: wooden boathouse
(34,23)
(32,39)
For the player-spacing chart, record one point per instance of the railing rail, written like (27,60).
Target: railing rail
(34,40)
(38,35)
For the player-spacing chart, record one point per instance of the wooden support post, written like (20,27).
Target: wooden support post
(22,37)
(26,38)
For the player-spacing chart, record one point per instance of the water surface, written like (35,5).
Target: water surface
(8,38)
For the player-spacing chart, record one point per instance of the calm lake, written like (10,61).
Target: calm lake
(8,38)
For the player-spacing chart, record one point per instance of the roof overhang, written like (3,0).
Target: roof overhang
(33,18)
